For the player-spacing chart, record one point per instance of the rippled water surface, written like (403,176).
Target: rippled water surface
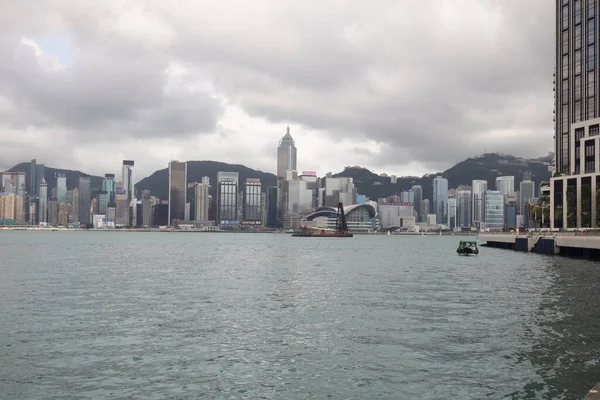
(221,316)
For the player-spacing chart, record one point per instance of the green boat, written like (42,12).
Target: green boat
(467,248)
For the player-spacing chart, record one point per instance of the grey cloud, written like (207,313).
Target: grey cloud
(427,82)
(104,91)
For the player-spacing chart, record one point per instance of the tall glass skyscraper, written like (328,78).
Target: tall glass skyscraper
(286,160)
(227,196)
(440,200)
(43,203)
(61,188)
(177,190)
(108,185)
(85,199)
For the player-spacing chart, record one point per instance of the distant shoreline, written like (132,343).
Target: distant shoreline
(39,229)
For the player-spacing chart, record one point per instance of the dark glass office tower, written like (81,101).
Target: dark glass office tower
(177,190)
(576,74)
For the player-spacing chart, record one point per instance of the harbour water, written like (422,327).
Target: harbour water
(222,316)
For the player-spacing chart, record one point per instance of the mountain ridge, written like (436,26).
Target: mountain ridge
(487,167)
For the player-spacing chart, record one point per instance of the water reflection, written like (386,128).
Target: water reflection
(566,333)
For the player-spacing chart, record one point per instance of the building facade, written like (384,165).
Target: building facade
(201,202)
(61,187)
(494,210)
(440,199)
(478,190)
(227,196)
(576,76)
(85,199)
(177,190)
(286,160)
(43,202)
(464,208)
(252,200)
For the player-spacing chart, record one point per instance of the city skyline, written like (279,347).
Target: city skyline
(167,105)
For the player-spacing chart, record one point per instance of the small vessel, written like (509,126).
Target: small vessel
(388,233)
(341,228)
(467,248)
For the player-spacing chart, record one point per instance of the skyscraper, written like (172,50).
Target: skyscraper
(74,217)
(201,201)
(43,203)
(108,185)
(40,170)
(227,196)
(576,78)
(128,186)
(61,188)
(506,185)
(33,183)
(478,202)
(464,200)
(177,191)
(85,199)
(418,196)
(252,200)
(440,199)
(286,160)
(127,178)
(526,194)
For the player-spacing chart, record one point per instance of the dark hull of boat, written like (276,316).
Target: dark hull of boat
(467,252)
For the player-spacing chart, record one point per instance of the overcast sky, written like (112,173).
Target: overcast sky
(400,86)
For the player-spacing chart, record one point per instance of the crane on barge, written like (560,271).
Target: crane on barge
(341,227)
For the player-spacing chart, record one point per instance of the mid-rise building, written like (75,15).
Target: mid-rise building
(63,214)
(146,206)
(52,212)
(121,208)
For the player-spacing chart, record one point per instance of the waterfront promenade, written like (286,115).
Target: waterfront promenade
(583,244)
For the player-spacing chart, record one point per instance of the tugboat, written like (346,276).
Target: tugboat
(341,228)
(467,248)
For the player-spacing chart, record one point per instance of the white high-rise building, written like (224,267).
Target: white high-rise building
(43,202)
(526,195)
(506,185)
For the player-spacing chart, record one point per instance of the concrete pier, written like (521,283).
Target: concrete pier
(583,244)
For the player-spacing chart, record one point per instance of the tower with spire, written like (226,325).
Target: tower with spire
(43,202)
(286,160)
